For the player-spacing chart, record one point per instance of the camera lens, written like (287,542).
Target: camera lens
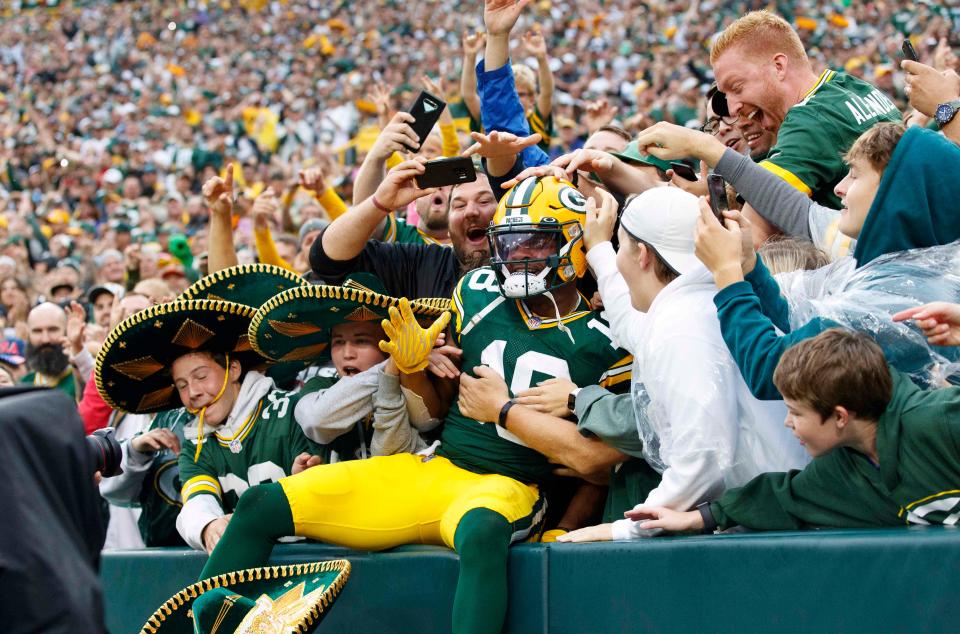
(105,452)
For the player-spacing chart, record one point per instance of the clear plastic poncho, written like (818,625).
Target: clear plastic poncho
(865,298)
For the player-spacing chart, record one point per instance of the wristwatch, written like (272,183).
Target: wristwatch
(572,400)
(946,112)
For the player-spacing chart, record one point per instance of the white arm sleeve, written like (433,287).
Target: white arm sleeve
(625,321)
(326,414)
(199,511)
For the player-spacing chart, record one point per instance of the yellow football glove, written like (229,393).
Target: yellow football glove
(552,535)
(409,344)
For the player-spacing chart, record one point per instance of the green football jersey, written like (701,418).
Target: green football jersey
(524,349)
(160,493)
(261,451)
(818,131)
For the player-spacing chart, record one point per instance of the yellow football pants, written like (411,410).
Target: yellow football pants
(387,501)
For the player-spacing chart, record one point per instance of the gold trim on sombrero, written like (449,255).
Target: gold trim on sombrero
(138,369)
(143,316)
(198,287)
(192,335)
(191,592)
(295,329)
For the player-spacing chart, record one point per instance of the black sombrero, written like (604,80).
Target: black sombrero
(133,367)
(276,599)
(248,284)
(295,325)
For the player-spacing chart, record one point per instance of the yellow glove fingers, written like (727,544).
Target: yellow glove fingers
(406,311)
(437,327)
(388,347)
(389,330)
(395,319)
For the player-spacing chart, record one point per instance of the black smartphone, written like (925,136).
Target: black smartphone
(683,171)
(426,111)
(909,52)
(718,195)
(447,171)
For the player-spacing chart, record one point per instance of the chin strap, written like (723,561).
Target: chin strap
(560,325)
(203,410)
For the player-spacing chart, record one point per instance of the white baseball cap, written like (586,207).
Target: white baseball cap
(665,218)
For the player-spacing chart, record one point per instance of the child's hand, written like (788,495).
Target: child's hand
(410,345)
(718,248)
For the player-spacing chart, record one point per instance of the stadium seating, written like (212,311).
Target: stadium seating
(839,581)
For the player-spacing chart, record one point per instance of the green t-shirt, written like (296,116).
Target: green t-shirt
(261,451)
(65,384)
(397,230)
(818,131)
(524,349)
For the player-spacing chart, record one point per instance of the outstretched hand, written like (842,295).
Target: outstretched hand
(939,321)
(499,143)
(600,221)
(667,519)
(500,16)
(409,344)
(400,188)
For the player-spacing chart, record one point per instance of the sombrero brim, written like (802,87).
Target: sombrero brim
(304,592)
(133,366)
(295,325)
(248,284)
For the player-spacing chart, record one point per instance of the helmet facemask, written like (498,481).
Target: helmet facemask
(531,259)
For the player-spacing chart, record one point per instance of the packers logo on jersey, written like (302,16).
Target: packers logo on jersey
(536,241)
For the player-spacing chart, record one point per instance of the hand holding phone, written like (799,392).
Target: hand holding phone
(426,111)
(447,171)
(717,188)
(909,52)
(684,171)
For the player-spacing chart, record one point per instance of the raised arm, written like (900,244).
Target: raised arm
(218,193)
(472,43)
(346,236)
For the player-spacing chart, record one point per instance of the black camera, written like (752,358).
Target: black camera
(105,451)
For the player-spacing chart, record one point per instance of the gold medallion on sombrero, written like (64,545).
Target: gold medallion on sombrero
(295,325)
(132,370)
(247,284)
(275,599)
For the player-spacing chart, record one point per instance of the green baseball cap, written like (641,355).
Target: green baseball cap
(632,154)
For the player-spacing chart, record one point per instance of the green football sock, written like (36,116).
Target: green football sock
(262,516)
(482,541)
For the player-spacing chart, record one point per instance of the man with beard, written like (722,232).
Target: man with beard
(49,364)
(408,270)
(762,68)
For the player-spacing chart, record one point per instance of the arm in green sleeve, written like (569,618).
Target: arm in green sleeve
(753,341)
(772,302)
(834,491)
(610,418)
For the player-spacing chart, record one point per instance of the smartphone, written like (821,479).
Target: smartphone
(718,195)
(426,111)
(447,171)
(683,171)
(909,52)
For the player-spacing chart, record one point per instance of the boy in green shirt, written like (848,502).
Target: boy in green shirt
(886,453)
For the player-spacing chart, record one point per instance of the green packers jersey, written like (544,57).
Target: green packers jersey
(261,451)
(397,230)
(160,494)
(839,108)
(543,126)
(524,349)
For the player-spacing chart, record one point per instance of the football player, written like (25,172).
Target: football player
(480,491)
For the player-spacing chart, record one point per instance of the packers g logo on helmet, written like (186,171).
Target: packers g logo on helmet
(536,237)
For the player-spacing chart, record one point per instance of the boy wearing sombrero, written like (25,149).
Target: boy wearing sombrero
(196,352)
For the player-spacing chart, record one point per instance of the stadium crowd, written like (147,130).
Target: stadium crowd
(587,342)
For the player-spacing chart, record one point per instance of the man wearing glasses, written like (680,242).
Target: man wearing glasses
(744,134)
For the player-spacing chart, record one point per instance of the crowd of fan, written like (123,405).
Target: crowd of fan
(148,144)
